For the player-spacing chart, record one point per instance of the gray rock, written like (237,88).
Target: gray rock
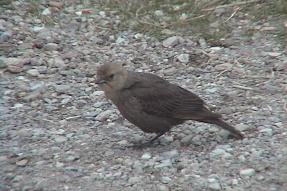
(247,172)
(242,127)
(33,72)
(216,152)
(56,62)
(22,162)
(62,88)
(146,156)
(170,154)
(184,58)
(134,180)
(214,186)
(158,13)
(61,139)
(51,46)
(104,115)
(171,41)
(14,69)
(268,131)
(162,188)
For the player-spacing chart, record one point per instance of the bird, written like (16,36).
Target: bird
(152,103)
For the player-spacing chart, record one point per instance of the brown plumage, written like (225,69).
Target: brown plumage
(152,103)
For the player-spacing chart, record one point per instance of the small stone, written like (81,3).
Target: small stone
(225,110)
(214,186)
(123,142)
(171,41)
(183,58)
(70,158)
(162,188)
(165,163)
(217,152)
(51,46)
(14,69)
(274,54)
(134,180)
(41,185)
(146,156)
(91,114)
(55,4)
(247,172)
(187,139)
(61,139)
(62,88)
(22,162)
(278,66)
(158,13)
(234,182)
(38,29)
(268,131)
(46,12)
(241,127)
(97,176)
(170,154)
(165,179)
(183,17)
(104,115)
(69,55)
(56,62)
(33,72)
(225,66)
(59,164)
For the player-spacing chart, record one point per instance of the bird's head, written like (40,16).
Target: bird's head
(111,77)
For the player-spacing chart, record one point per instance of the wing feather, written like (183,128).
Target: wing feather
(159,97)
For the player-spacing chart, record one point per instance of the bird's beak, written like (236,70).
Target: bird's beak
(100,80)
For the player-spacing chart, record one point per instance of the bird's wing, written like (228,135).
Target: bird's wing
(159,97)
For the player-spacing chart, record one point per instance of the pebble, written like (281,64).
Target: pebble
(163,164)
(104,115)
(171,41)
(56,4)
(217,152)
(62,88)
(61,139)
(51,46)
(22,162)
(214,186)
(134,180)
(158,13)
(184,58)
(146,156)
(224,66)
(33,72)
(247,172)
(162,188)
(268,131)
(242,127)
(97,176)
(14,69)
(170,154)
(56,62)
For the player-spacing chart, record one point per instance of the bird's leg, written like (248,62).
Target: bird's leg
(155,138)
(146,144)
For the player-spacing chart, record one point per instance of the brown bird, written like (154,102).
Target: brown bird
(152,103)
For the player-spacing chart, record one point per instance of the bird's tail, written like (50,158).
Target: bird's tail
(229,128)
(225,126)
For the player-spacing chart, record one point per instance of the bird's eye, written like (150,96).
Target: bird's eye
(112,76)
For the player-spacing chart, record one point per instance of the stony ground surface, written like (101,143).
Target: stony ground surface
(58,132)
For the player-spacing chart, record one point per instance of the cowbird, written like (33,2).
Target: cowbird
(152,103)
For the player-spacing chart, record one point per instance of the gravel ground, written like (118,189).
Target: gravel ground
(58,132)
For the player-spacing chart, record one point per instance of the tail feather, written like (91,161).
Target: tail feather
(229,128)
(225,126)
